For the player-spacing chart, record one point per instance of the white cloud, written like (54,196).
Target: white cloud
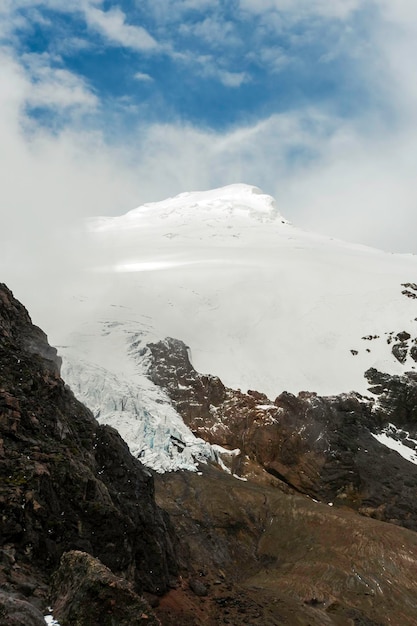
(214,30)
(55,87)
(49,181)
(300,9)
(396,43)
(143,77)
(210,67)
(272,57)
(200,5)
(168,11)
(403,12)
(71,45)
(112,24)
(232,79)
(361,188)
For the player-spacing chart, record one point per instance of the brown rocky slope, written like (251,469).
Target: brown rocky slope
(262,557)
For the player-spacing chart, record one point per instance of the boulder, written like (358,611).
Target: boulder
(85,592)
(17,612)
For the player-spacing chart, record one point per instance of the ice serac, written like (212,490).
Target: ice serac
(106,366)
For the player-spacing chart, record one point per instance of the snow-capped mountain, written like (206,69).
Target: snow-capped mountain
(260,303)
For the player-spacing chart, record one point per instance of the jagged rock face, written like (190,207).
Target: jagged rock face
(85,592)
(319,446)
(196,396)
(66,482)
(397,399)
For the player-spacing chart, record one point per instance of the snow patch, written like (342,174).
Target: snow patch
(222,450)
(393,437)
(266,407)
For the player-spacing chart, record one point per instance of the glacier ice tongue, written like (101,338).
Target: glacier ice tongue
(115,387)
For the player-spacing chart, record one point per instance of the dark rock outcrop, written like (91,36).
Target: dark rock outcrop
(397,399)
(400,351)
(194,395)
(67,483)
(410,290)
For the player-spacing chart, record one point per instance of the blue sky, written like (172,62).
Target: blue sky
(105,105)
(212,64)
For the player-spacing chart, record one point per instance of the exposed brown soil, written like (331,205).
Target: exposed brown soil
(269,558)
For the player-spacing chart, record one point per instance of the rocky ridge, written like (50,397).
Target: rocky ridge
(323,447)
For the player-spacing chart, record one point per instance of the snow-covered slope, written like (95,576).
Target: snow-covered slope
(260,303)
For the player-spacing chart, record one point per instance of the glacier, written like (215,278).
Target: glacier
(106,369)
